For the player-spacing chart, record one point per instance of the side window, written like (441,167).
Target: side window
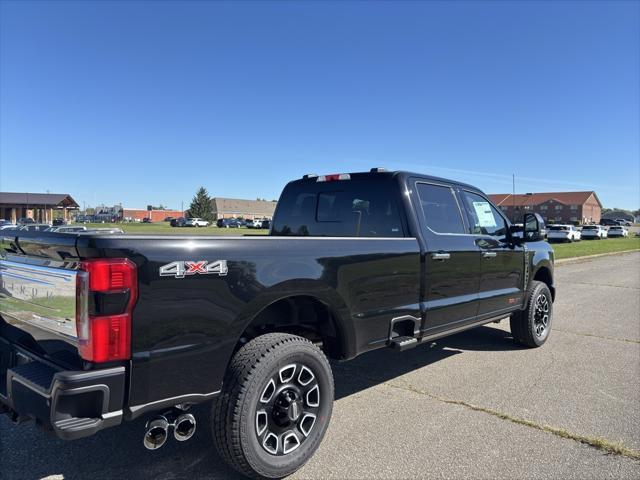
(439,208)
(484,218)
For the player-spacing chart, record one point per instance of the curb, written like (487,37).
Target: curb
(564,261)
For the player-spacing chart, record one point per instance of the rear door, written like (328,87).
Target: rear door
(502,263)
(452,259)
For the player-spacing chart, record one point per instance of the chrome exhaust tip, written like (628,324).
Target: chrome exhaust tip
(184,427)
(156,432)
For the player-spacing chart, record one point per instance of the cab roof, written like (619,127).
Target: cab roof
(381,173)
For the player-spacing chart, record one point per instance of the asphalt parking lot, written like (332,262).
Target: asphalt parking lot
(474,405)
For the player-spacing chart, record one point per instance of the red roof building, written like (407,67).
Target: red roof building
(554,207)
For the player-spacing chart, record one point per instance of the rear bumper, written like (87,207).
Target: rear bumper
(71,404)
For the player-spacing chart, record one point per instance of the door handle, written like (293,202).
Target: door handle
(489,254)
(441,256)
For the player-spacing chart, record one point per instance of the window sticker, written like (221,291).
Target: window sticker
(484,214)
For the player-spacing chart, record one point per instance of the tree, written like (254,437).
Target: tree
(201,205)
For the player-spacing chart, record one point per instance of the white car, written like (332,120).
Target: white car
(563,233)
(618,231)
(196,222)
(594,232)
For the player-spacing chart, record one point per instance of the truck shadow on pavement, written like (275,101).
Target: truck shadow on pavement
(118,453)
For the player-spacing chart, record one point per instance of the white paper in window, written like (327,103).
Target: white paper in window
(484,214)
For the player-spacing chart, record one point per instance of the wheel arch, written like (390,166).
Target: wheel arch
(317,317)
(544,274)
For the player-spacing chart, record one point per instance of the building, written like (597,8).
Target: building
(137,214)
(247,209)
(41,207)
(104,213)
(554,207)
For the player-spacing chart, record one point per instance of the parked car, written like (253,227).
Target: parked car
(139,318)
(168,219)
(266,224)
(593,232)
(58,222)
(227,223)
(618,231)
(178,222)
(147,220)
(196,222)
(609,222)
(623,222)
(255,223)
(563,233)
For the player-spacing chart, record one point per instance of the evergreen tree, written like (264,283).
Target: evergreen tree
(201,205)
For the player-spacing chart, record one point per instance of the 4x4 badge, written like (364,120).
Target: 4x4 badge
(201,267)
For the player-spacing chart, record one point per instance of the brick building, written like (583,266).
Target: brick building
(137,214)
(247,209)
(554,207)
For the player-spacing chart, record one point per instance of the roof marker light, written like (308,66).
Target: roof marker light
(333,177)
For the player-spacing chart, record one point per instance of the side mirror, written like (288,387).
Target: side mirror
(533,227)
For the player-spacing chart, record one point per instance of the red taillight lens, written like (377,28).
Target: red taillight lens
(105,338)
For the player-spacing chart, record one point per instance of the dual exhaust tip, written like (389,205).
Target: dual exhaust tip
(157,430)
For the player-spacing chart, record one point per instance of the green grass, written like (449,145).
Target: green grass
(593,247)
(163,228)
(53,306)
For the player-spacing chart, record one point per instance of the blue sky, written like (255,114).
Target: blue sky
(141,102)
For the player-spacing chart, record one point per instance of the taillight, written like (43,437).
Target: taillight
(105,336)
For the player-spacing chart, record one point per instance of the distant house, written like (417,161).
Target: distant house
(247,209)
(554,207)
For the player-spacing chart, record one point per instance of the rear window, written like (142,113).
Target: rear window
(440,208)
(344,208)
(590,227)
(559,228)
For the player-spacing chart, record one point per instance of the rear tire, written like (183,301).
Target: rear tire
(531,327)
(275,406)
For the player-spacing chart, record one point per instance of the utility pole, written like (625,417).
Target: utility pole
(513,197)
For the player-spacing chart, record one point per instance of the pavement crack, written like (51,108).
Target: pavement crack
(616,339)
(603,285)
(595,442)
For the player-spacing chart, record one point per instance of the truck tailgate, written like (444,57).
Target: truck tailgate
(38,282)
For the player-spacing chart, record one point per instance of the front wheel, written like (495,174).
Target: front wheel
(531,326)
(275,406)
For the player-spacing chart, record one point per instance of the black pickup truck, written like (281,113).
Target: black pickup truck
(98,329)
